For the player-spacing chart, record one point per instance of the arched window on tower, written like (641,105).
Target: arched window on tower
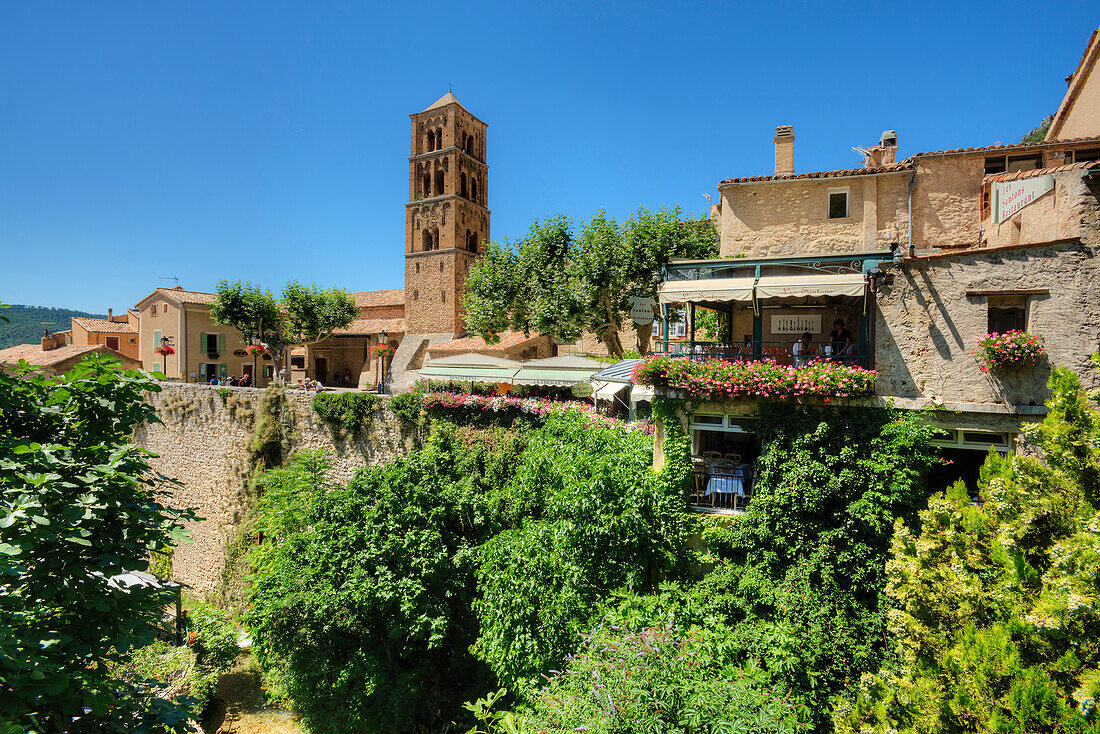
(439,182)
(462,184)
(473,189)
(427,240)
(435,238)
(429,142)
(471,241)
(438,139)
(427,184)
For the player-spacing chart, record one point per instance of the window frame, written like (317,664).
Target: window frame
(835,191)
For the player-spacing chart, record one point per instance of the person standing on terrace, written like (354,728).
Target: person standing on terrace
(802,350)
(840,338)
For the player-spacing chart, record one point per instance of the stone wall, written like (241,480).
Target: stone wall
(931,310)
(203,442)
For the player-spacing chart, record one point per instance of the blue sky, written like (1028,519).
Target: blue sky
(267,141)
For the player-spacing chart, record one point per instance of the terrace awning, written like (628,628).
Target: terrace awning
(471,367)
(563,371)
(717,290)
(609,390)
(802,287)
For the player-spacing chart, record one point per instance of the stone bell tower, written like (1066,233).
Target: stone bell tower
(447,218)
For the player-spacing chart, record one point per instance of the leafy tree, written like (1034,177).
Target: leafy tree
(362,593)
(597,519)
(801,576)
(655,664)
(78,505)
(554,282)
(305,314)
(998,604)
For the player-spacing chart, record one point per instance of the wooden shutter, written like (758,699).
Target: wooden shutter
(221,343)
(202,342)
(156,338)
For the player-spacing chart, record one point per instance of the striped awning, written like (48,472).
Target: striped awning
(717,290)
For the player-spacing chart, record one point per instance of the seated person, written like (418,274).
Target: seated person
(318,386)
(840,339)
(802,350)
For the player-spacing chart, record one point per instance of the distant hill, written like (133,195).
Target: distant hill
(25,323)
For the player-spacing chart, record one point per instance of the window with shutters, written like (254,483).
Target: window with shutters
(112,343)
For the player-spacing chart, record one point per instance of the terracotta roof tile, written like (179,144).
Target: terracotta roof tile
(508,340)
(99,326)
(888,168)
(33,354)
(372,326)
(1017,175)
(391,297)
(1006,147)
(189,297)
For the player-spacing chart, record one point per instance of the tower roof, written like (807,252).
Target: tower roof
(445,100)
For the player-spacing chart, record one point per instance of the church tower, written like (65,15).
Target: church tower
(446,219)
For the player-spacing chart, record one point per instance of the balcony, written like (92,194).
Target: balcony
(779,352)
(720,487)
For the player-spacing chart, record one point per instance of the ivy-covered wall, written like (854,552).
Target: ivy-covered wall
(209,439)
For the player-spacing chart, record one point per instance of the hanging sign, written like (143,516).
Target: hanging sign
(641,310)
(582,390)
(1010,197)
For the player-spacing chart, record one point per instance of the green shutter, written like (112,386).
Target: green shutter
(156,338)
(202,342)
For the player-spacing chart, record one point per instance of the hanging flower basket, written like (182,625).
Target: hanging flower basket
(254,350)
(384,351)
(1008,351)
(164,350)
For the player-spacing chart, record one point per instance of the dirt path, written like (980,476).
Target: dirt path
(240,707)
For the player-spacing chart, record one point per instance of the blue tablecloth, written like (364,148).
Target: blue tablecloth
(729,481)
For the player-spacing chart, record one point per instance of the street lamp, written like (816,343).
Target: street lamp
(381,340)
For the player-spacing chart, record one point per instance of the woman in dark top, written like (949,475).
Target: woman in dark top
(840,338)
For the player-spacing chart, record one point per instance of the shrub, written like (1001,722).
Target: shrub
(347,410)
(721,380)
(408,408)
(1011,350)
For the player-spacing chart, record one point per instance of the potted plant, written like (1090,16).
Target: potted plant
(385,351)
(254,350)
(1011,350)
(164,350)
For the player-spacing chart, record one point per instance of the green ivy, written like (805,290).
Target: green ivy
(409,409)
(346,410)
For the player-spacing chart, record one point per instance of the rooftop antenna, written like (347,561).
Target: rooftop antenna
(170,277)
(862,151)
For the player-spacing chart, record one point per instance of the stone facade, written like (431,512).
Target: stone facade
(202,443)
(447,218)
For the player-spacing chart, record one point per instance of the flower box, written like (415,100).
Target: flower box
(722,380)
(1008,351)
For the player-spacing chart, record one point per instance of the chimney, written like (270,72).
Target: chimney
(784,150)
(51,341)
(110,315)
(888,141)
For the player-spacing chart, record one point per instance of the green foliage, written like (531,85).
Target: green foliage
(800,576)
(661,678)
(1039,134)
(347,410)
(560,283)
(266,442)
(160,564)
(313,313)
(224,393)
(998,604)
(79,504)
(23,324)
(409,409)
(362,593)
(597,519)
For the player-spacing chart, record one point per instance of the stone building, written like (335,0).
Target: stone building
(919,257)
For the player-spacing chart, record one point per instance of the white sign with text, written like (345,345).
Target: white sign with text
(799,324)
(1010,197)
(641,310)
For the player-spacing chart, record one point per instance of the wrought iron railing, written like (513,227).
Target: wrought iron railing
(721,489)
(857,354)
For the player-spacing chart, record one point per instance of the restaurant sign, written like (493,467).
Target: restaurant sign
(582,390)
(641,310)
(1010,197)
(797,324)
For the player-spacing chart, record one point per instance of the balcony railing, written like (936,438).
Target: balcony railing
(721,488)
(857,354)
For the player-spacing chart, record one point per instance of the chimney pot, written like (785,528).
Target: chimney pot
(784,150)
(889,142)
(110,314)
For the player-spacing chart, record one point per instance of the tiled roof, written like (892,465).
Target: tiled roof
(888,168)
(508,340)
(34,355)
(1017,175)
(99,326)
(189,297)
(1006,147)
(373,326)
(392,297)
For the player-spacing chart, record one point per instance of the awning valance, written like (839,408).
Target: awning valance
(467,374)
(608,390)
(562,378)
(797,287)
(717,290)
(640,393)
